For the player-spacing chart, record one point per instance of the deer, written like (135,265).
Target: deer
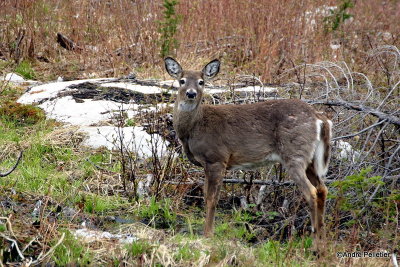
(247,136)
(13,167)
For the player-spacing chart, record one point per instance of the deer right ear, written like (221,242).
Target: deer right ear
(211,69)
(173,68)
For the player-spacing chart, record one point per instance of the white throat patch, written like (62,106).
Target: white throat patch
(185,106)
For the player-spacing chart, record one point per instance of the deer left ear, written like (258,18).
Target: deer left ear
(211,69)
(173,68)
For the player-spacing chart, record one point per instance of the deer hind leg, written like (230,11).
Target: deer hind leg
(322,192)
(212,187)
(297,172)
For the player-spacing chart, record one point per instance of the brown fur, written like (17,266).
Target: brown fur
(326,137)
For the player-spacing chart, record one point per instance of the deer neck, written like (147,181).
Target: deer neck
(185,120)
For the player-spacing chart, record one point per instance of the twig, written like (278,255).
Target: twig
(13,167)
(99,167)
(9,226)
(379,114)
(396,179)
(15,243)
(50,250)
(360,132)
(29,244)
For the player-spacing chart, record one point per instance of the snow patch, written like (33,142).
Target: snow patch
(66,109)
(134,139)
(87,113)
(50,90)
(94,235)
(13,77)
(173,83)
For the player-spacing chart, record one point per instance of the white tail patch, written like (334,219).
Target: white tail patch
(319,163)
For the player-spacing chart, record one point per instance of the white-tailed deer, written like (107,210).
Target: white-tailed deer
(13,167)
(247,136)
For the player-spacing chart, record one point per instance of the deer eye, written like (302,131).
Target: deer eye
(201,82)
(182,81)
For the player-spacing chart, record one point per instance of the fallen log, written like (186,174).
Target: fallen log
(67,43)
(395,178)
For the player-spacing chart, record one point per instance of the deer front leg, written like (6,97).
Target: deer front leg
(212,187)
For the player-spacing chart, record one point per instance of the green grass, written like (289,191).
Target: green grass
(45,166)
(139,248)
(101,204)
(159,213)
(71,251)
(25,70)
(187,253)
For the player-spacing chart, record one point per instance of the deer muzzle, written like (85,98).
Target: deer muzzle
(191,93)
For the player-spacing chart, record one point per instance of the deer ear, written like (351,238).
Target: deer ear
(211,69)
(173,68)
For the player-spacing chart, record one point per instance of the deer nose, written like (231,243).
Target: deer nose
(191,94)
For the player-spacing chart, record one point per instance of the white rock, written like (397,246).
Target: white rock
(346,151)
(13,77)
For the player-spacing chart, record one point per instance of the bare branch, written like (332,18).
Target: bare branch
(394,178)
(353,106)
(14,167)
(359,132)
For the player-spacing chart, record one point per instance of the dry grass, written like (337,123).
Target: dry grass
(117,37)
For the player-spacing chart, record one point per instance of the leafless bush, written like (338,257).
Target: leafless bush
(366,117)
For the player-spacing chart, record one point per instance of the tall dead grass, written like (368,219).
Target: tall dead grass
(260,37)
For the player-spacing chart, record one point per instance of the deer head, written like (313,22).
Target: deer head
(191,83)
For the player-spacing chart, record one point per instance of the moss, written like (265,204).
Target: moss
(21,114)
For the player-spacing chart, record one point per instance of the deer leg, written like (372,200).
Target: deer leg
(212,187)
(309,191)
(322,192)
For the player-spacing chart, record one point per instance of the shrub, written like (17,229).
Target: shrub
(168,28)
(338,16)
